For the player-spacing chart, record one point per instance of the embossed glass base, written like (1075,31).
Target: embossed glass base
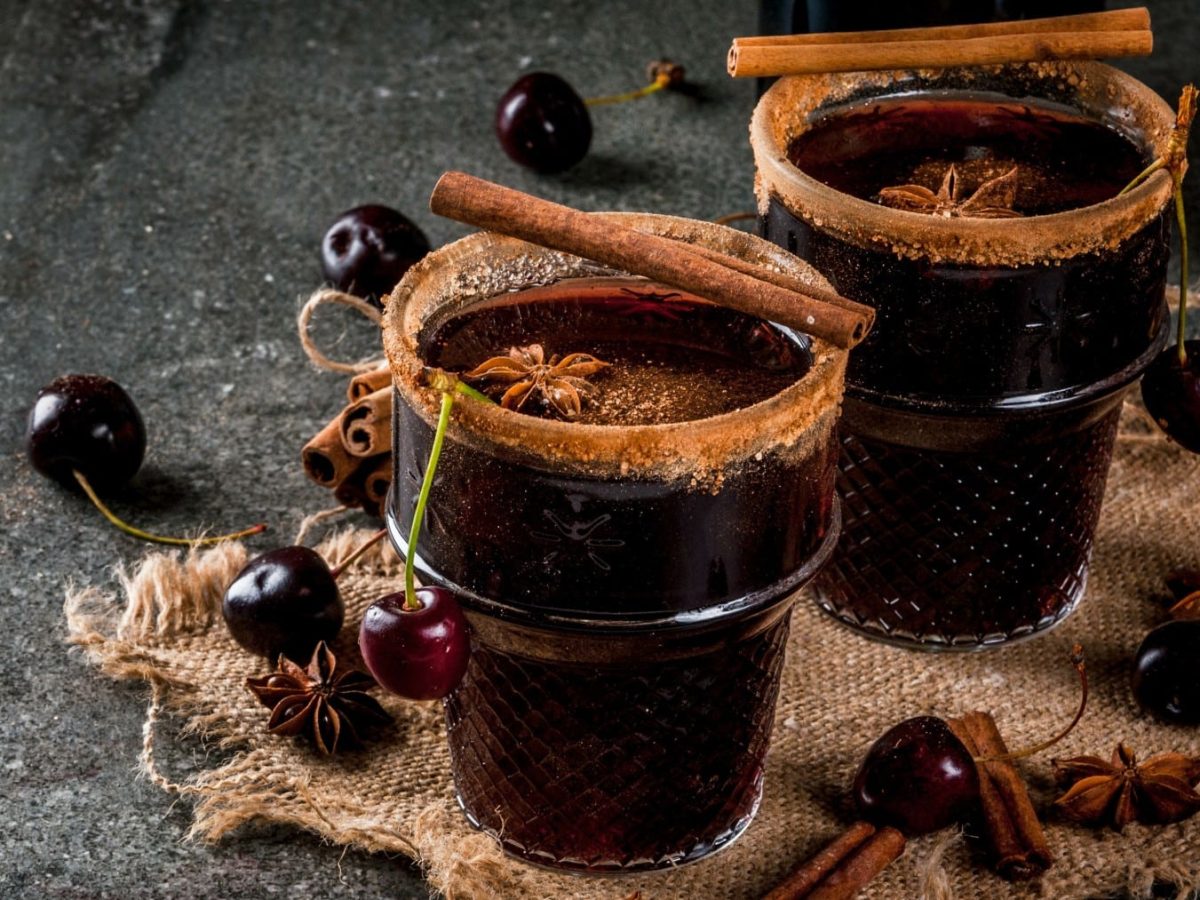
(615,768)
(617,746)
(961,551)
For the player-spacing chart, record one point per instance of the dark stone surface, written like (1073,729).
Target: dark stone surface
(166,170)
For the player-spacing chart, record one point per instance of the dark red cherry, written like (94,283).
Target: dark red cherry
(284,601)
(421,653)
(89,424)
(543,124)
(1171,392)
(368,249)
(917,777)
(1166,676)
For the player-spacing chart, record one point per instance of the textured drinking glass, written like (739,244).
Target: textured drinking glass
(628,586)
(981,411)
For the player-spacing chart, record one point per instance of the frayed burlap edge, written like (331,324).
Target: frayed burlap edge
(173,595)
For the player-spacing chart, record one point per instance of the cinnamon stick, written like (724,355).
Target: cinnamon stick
(1103,35)
(1135,19)
(1015,834)
(353,490)
(379,480)
(844,866)
(325,458)
(367,424)
(486,205)
(368,383)
(780,279)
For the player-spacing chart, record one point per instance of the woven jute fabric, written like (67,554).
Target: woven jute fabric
(839,692)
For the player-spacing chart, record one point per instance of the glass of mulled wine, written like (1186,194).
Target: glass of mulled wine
(628,575)
(1017,297)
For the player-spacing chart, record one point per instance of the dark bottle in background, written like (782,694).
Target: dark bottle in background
(797,16)
(1037,9)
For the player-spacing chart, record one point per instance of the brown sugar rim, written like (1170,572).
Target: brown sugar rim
(483,265)
(783,113)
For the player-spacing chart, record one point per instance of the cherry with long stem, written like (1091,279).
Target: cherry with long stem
(919,776)
(416,643)
(286,601)
(1171,383)
(543,124)
(448,384)
(85,430)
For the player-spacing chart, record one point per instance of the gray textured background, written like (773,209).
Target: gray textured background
(166,171)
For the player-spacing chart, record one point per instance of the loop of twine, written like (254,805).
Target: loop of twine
(317,518)
(146,761)
(325,297)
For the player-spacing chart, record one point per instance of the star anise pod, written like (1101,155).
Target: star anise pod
(326,704)
(1156,792)
(523,374)
(993,199)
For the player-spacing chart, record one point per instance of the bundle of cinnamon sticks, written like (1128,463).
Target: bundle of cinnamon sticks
(1014,834)
(352,455)
(1015,839)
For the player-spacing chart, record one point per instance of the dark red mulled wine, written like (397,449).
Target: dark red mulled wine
(670,359)
(597,546)
(980,412)
(980,331)
(619,759)
(967,548)
(1064,161)
(628,576)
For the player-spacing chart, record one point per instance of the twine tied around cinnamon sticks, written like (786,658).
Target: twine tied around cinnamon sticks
(352,454)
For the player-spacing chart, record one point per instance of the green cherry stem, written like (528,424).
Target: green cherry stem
(1174,160)
(411,602)
(467,391)
(130,530)
(660,82)
(1183,267)
(441,380)
(449,384)
(662,73)
(1142,176)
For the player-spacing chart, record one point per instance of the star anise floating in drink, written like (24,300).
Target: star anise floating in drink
(328,705)
(1159,791)
(524,375)
(993,199)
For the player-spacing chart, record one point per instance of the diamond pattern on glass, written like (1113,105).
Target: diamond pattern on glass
(615,767)
(965,549)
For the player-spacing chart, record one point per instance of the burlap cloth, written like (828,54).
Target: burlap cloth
(839,693)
